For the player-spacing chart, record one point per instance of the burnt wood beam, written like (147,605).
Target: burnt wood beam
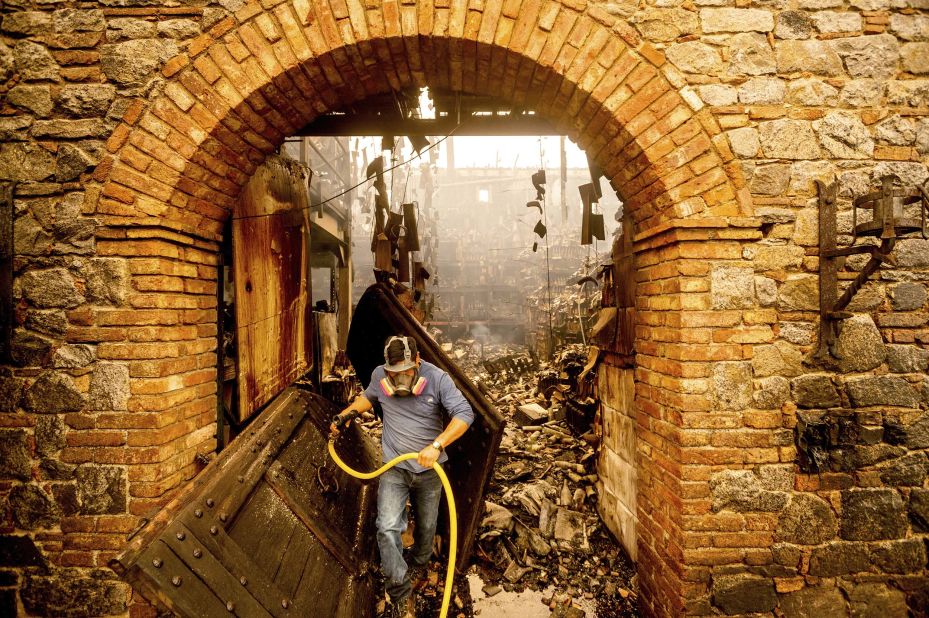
(489,124)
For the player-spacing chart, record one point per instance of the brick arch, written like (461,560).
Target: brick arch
(241,88)
(177,164)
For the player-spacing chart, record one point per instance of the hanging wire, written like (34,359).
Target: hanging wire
(406,182)
(548,268)
(353,187)
(393,154)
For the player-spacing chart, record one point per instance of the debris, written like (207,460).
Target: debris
(570,527)
(497,517)
(530,496)
(529,538)
(530,414)
(568,612)
(541,528)
(547,519)
(577,500)
(569,465)
(514,572)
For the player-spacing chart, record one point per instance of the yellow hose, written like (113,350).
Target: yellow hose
(452,512)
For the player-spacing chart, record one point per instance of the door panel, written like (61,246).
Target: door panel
(264,528)
(273,527)
(271,245)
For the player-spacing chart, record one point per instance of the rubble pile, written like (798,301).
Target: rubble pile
(541,529)
(491,365)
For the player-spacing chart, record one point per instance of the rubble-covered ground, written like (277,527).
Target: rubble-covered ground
(541,531)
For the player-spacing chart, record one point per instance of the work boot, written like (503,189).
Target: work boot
(418,576)
(404,608)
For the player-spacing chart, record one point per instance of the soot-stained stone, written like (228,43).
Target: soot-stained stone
(743,593)
(49,434)
(19,551)
(814,391)
(839,559)
(75,594)
(806,520)
(872,514)
(15,455)
(906,471)
(918,510)
(906,556)
(821,602)
(53,393)
(32,508)
(885,390)
(101,490)
(29,349)
(55,470)
(66,498)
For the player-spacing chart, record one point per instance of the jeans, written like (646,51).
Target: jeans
(425,493)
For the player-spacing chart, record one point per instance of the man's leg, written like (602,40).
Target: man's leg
(392,493)
(426,496)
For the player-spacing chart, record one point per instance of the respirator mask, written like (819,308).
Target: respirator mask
(403,383)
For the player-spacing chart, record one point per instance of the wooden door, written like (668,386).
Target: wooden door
(271,528)
(271,247)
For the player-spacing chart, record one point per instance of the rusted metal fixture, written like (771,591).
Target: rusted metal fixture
(592,225)
(889,222)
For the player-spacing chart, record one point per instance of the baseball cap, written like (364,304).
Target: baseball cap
(400,353)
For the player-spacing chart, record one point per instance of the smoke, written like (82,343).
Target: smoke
(480,332)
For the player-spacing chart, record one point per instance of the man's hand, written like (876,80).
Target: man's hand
(341,420)
(428,456)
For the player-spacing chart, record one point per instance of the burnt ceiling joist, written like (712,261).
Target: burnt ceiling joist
(398,113)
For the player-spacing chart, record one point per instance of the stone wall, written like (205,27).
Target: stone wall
(109,397)
(130,126)
(805,483)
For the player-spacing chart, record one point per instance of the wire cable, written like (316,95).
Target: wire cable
(353,187)
(548,267)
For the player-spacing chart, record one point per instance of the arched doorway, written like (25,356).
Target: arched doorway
(178,163)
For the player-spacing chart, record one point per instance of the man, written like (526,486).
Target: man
(411,393)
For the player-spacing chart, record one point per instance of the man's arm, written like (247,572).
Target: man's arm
(359,405)
(462,417)
(430,454)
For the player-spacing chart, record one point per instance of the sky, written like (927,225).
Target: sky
(510,151)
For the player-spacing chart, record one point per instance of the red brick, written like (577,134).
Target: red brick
(96,438)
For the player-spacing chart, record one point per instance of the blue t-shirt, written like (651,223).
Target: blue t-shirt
(412,423)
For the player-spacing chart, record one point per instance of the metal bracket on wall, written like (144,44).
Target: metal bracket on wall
(828,275)
(7,190)
(889,221)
